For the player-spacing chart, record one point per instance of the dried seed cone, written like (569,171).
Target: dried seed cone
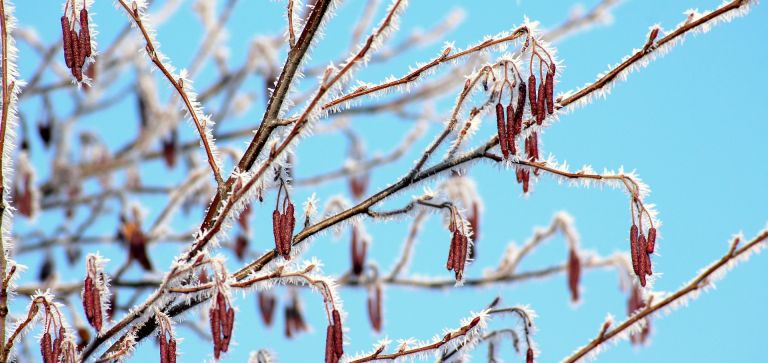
(502,130)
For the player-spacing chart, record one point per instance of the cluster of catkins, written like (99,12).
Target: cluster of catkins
(641,249)
(334,340)
(77,47)
(457,253)
(52,349)
(222,317)
(509,120)
(283,224)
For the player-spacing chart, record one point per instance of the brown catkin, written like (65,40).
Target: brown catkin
(330,354)
(97,315)
(651,240)
(541,106)
(277,231)
(163,349)
(77,57)
(67,41)
(338,339)
(526,180)
(642,257)
(85,34)
(502,130)
(532,95)
(215,331)
(529,355)
(290,224)
(511,130)
(633,231)
(172,350)
(520,109)
(87,302)
(549,88)
(574,274)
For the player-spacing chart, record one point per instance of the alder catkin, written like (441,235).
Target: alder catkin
(67,41)
(532,95)
(85,34)
(501,130)
(511,130)
(651,240)
(338,339)
(549,88)
(541,106)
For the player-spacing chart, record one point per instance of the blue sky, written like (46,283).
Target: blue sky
(690,124)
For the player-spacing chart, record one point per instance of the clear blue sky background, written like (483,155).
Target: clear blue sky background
(690,124)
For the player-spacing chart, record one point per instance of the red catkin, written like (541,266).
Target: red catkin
(633,232)
(520,109)
(77,57)
(215,331)
(452,251)
(290,223)
(330,353)
(642,257)
(549,89)
(45,347)
(541,106)
(529,355)
(85,34)
(374,308)
(574,274)
(526,180)
(163,349)
(266,307)
(357,252)
(338,339)
(241,246)
(503,143)
(511,129)
(651,240)
(67,41)
(277,231)
(532,95)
